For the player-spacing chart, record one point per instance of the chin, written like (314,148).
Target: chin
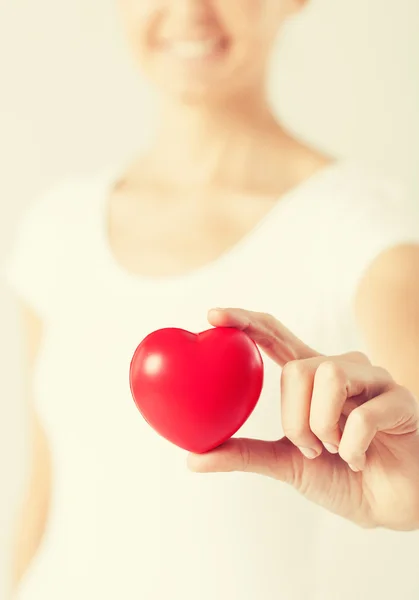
(198,94)
(196,97)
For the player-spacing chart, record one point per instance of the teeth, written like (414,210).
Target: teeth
(190,49)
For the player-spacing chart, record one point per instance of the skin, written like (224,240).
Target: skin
(219,159)
(370,474)
(218,162)
(35,504)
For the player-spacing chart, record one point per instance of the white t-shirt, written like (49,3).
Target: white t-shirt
(128,521)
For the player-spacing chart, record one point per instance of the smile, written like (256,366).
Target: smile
(195,49)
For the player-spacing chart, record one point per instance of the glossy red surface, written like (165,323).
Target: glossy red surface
(196,390)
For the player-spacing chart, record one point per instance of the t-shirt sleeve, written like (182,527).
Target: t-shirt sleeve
(32,265)
(381,218)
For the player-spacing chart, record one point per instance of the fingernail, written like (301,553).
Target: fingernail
(332,448)
(354,469)
(309,452)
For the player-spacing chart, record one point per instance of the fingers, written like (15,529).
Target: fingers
(273,337)
(313,396)
(356,357)
(273,459)
(316,392)
(297,383)
(278,341)
(334,383)
(395,412)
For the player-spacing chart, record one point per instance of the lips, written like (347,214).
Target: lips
(195,49)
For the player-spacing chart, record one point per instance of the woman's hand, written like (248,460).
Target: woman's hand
(352,443)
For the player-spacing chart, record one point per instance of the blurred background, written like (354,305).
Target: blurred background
(345,77)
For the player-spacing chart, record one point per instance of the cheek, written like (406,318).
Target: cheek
(139,18)
(135,8)
(251,22)
(238,14)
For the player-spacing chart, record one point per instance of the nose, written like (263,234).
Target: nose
(191,11)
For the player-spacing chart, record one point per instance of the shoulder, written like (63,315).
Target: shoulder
(44,241)
(366,196)
(40,226)
(60,212)
(362,217)
(361,204)
(62,200)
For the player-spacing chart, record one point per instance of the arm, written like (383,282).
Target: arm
(387,311)
(34,510)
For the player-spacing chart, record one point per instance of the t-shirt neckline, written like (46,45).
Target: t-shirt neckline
(123,276)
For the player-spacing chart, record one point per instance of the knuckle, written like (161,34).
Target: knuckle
(269,342)
(361,420)
(321,429)
(360,357)
(411,401)
(348,454)
(269,319)
(384,373)
(295,369)
(298,434)
(275,455)
(411,398)
(331,373)
(270,325)
(245,455)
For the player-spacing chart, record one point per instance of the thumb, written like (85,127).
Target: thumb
(273,459)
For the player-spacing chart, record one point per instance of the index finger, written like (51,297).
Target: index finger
(270,334)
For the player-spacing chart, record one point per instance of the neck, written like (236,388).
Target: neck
(212,144)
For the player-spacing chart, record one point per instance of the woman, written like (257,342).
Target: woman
(226,208)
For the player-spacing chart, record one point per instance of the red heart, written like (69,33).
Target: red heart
(196,390)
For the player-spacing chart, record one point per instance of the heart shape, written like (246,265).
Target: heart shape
(196,390)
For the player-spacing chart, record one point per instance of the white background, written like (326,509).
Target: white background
(346,77)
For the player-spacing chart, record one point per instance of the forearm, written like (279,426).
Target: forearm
(32,517)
